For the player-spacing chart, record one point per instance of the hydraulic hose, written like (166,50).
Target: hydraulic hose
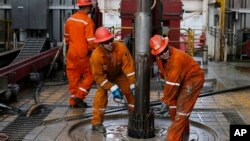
(54,60)
(224,91)
(40,84)
(15,109)
(153,103)
(211,93)
(4,137)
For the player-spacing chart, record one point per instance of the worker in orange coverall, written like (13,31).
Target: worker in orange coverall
(183,81)
(113,70)
(79,37)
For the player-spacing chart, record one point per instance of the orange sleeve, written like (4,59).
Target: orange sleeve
(179,69)
(66,34)
(172,81)
(174,72)
(96,62)
(89,31)
(160,67)
(128,66)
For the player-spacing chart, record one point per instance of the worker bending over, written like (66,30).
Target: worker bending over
(113,70)
(183,81)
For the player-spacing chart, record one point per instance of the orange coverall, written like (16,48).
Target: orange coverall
(118,69)
(183,82)
(79,36)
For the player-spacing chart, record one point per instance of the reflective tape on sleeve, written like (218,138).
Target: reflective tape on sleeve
(77,20)
(131,105)
(172,107)
(82,89)
(171,83)
(104,82)
(91,39)
(130,74)
(183,114)
(102,109)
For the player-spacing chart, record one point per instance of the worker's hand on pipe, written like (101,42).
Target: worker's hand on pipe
(116,92)
(132,88)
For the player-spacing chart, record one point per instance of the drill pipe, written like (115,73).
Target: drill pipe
(142,53)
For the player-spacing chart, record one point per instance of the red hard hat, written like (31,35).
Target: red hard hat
(102,34)
(158,44)
(84,2)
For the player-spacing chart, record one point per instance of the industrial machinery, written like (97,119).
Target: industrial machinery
(166,18)
(33,32)
(147,18)
(35,24)
(29,27)
(228,29)
(243,43)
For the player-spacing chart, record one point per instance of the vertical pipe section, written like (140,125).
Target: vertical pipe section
(144,6)
(222,25)
(142,36)
(141,121)
(204,14)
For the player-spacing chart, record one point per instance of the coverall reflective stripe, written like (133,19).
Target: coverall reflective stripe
(79,36)
(106,73)
(185,80)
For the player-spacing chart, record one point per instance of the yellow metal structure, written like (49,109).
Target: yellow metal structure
(222,4)
(190,39)
(191,42)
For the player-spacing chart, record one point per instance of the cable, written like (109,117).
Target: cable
(54,60)
(154,4)
(3,137)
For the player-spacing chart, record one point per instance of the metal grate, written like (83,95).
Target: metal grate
(32,47)
(155,86)
(23,125)
(233,117)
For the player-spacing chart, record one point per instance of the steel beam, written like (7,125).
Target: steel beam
(17,71)
(51,7)
(241,10)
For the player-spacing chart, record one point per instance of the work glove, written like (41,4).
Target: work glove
(164,107)
(116,92)
(160,80)
(132,88)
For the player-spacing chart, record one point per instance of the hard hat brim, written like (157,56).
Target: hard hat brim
(163,46)
(86,4)
(104,39)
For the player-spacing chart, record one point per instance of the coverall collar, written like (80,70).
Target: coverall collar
(81,11)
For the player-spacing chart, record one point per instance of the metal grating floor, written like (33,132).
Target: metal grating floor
(23,125)
(233,117)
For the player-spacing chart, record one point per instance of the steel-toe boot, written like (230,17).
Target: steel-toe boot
(79,103)
(99,127)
